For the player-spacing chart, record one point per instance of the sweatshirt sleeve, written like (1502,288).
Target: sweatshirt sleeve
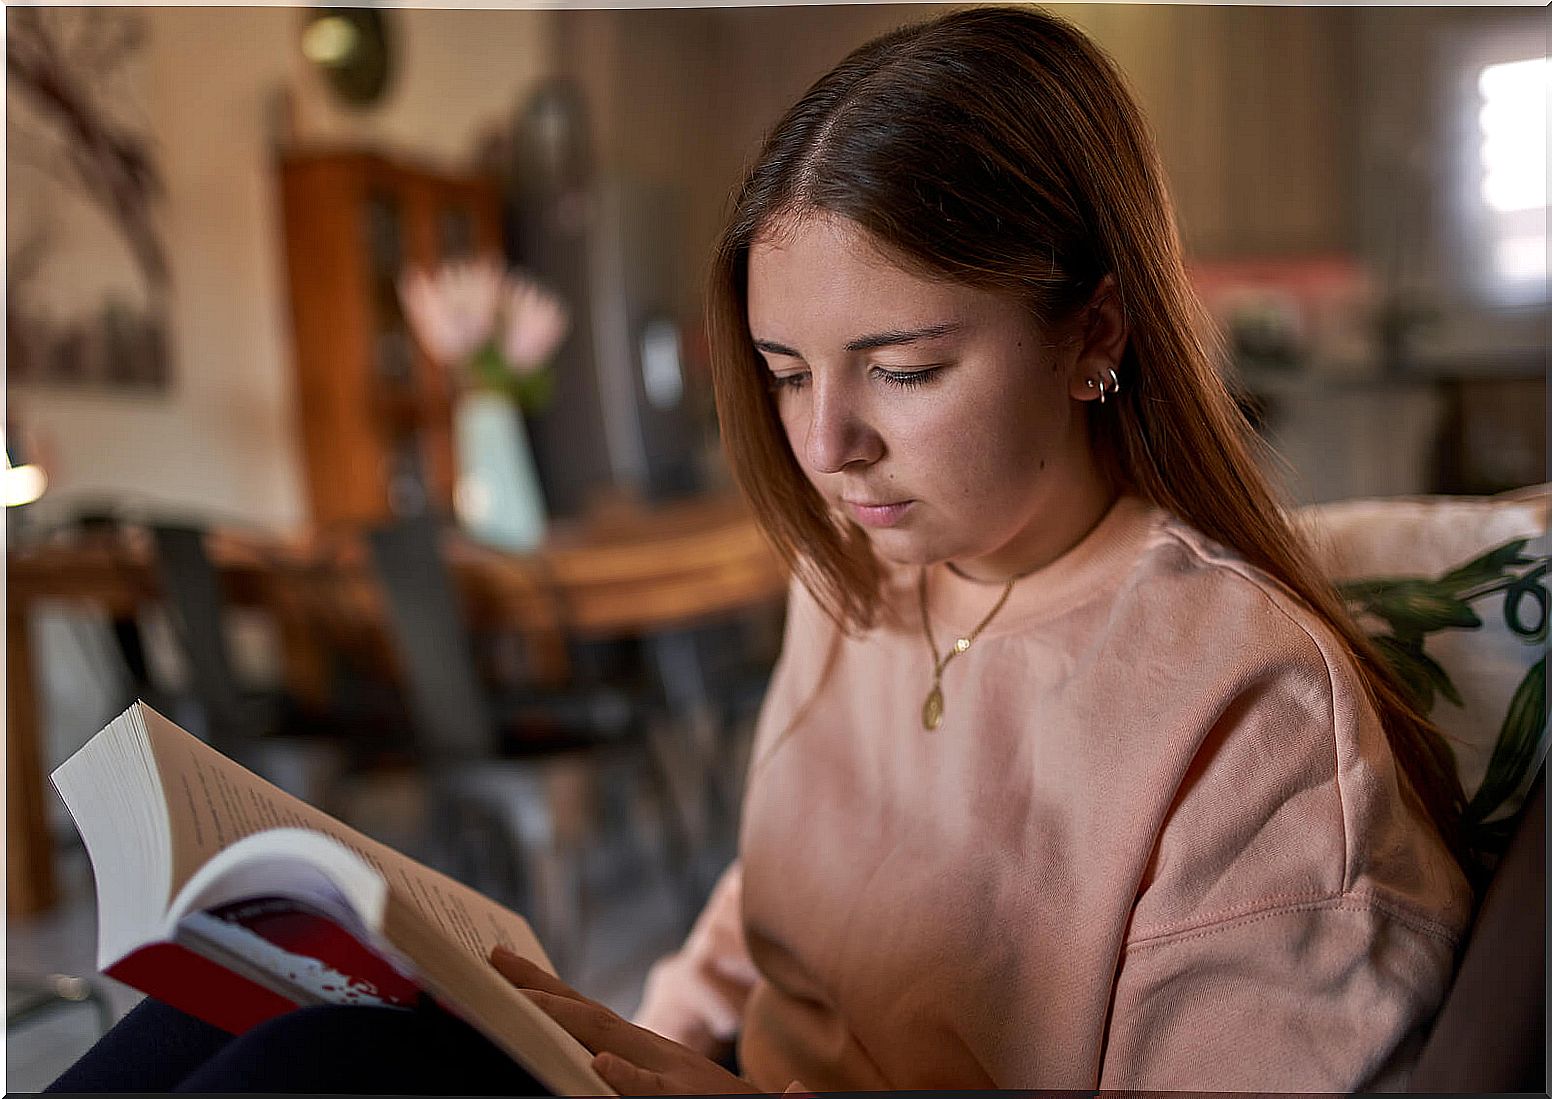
(1328,996)
(696,995)
(1298,923)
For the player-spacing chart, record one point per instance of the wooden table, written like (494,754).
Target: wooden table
(627,572)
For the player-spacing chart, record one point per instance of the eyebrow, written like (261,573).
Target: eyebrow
(874,341)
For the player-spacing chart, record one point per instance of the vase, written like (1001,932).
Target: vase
(498,500)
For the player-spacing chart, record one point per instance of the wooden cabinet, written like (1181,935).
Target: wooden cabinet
(375,413)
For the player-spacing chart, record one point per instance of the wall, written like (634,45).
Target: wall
(223,441)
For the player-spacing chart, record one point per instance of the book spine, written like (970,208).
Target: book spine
(197,986)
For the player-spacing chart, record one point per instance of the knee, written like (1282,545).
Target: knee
(326,1025)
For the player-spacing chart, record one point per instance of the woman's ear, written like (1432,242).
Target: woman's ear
(1102,332)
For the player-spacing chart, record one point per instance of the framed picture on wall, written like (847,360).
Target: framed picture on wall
(87,283)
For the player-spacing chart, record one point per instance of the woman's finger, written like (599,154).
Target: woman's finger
(629,1079)
(526,974)
(598,1028)
(690,1075)
(641,1062)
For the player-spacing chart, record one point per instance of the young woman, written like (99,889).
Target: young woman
(1073,772)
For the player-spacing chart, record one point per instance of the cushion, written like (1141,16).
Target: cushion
(1490,1035)
(1453,589)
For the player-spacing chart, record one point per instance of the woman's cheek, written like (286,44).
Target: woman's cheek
(794,427)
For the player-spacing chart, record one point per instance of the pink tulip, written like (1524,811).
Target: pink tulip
(536,323)
(453,311)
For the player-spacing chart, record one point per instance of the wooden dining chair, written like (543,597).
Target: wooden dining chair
(266,730)
(516,774)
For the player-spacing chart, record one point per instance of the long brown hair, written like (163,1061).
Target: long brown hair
(999,148)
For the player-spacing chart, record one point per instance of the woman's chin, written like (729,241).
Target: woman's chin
(905,548)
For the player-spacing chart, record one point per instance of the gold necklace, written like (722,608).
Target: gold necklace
(932,709)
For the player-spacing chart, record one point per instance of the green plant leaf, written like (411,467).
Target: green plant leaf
(488,369)
(1440,677)
(1492,565)
(1518,739)
(535,390)
(1414,608)
(1419,674)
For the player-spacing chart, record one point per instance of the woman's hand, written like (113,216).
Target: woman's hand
(631,1059)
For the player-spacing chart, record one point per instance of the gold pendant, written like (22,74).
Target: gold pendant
(932,709)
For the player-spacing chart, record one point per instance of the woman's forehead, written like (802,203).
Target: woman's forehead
(829,280)
(828,258)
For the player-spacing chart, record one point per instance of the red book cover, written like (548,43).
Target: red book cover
(182,979)
(248,950)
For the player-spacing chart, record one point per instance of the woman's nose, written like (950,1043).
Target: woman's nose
(839,433)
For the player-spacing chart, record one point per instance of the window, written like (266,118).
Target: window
(1512,123)
(1505,172)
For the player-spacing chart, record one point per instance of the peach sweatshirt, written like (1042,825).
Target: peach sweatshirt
(1158,842)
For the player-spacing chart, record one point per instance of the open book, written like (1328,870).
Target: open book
(234,901)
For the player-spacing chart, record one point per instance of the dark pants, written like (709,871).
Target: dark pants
(351,1050)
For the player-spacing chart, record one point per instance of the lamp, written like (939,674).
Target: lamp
(23,483)
(354,50)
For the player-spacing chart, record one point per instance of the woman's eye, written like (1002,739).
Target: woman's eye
(788,381)
(906,379)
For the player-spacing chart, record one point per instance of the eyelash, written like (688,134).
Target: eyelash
(908,379)
(904,379)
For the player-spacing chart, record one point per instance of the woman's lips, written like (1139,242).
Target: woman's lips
(878,515)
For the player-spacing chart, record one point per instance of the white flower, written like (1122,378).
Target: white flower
(453,312)
(536,323)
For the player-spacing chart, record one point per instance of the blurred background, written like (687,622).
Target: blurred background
(453,553)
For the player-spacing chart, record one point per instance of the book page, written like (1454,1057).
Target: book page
(489,1003)
(212,802)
